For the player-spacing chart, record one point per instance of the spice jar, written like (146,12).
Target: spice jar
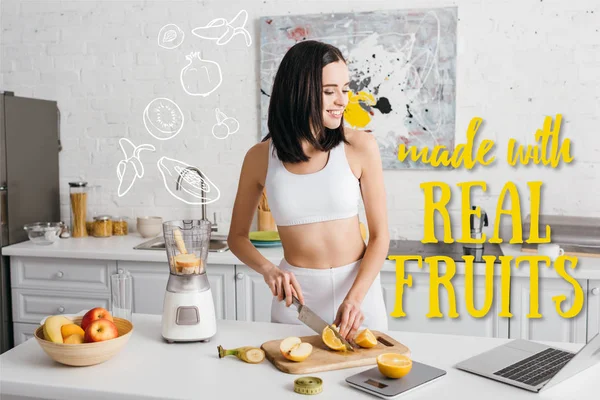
(103,226)
(78,194)
(120,227)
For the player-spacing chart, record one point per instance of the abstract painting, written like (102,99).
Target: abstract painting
(402,66)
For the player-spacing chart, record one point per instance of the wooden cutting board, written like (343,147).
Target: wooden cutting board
(323,358)
(570,250)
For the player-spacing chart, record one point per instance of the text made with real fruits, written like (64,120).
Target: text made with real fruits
(549,151)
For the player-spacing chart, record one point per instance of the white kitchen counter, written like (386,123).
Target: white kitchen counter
(121,248)
(149,368)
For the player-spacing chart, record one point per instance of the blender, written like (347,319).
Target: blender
(188,309)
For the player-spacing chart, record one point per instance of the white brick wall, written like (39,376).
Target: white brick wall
(518,61)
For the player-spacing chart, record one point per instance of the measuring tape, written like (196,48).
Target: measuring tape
(308,385)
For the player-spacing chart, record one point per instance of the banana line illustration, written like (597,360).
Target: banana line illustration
(131,168)
(222,31)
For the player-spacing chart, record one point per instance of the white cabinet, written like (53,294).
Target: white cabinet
(253,295)
(33,305)
(551,326)
(23,332)
(45,286)
(73,275)
(150,282)
(593,311)
(42,286)
(416,306)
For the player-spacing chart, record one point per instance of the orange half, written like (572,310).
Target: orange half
(366,339)
(394,365)
(331,340)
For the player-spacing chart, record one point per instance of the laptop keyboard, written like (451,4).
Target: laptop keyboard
(537,368)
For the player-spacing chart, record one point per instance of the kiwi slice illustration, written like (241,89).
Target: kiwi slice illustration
(163,119)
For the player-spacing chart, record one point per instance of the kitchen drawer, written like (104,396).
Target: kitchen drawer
(23,332)
(30,305)
(62,273)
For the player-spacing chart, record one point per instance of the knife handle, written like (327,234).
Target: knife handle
(295,301)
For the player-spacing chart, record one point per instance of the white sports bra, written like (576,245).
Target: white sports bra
(329,194)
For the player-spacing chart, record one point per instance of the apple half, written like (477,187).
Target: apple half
(294,349)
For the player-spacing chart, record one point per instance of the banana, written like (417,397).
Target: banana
(249,354)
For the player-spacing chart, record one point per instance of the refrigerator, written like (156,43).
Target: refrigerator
(29,182)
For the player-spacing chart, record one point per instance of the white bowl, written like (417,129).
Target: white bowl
(149,231)
(149,221)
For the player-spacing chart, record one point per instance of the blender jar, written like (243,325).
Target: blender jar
(187,243)
(78,193)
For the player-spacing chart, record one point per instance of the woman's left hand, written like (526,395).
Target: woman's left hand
(349,318)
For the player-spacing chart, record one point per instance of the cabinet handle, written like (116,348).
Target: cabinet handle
(120,271)
(60,274)
(596,291)
(239,276)
(61,309)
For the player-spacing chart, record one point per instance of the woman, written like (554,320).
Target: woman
(314,171)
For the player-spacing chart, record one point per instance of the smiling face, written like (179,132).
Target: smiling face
(335,93)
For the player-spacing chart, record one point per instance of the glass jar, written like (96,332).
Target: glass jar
(78,193)
(103,226)
(93,205)
(120,227)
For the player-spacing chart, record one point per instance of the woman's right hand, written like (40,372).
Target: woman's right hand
(283,284)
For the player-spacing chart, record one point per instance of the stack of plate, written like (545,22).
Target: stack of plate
(265,238)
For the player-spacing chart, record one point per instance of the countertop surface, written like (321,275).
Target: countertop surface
(150,368)
(121,248)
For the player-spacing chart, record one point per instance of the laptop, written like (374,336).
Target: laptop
(532,366)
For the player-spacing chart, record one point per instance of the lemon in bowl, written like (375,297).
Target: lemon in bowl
(394,365)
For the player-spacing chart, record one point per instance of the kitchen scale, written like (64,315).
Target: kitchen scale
(188,309)
(373,382)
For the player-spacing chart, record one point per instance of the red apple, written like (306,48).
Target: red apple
(93,315)
(100,330)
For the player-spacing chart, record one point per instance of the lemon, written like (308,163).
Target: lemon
(331,340)
(366,339)
(394,365)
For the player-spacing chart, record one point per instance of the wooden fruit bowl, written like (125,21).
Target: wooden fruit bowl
(86,354)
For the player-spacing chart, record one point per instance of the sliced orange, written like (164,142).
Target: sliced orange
(366,339)
(331,340)
(394,365)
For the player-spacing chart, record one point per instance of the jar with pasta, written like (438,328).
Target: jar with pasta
(94,197)
(120,227)
(103,226)
(78,194)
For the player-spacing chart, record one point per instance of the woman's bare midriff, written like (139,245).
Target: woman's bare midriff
(323,245)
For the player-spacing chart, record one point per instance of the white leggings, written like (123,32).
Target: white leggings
(325,289)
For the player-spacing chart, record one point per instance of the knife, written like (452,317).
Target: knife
(316,323)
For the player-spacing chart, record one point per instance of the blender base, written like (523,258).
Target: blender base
(188,317)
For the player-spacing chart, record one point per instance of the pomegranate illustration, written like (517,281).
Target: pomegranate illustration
(200,77)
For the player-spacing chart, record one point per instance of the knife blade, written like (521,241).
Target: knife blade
(316,323)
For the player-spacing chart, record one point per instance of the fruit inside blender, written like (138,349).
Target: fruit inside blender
(187,249)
